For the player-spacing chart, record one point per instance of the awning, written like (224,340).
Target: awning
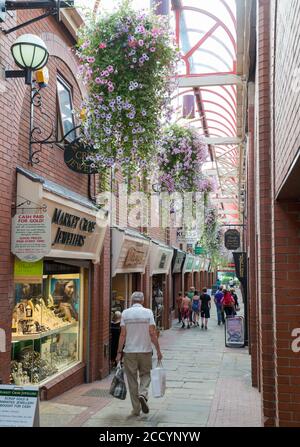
(207,264)
(178,260)
(188,263)
(202,263)
(160,258)
(130,251)
(197,264)
(77,226)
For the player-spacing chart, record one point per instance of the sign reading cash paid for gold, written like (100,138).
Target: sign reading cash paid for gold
(31,236)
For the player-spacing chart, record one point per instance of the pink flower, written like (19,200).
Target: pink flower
(90,59)
(102,45)
(152,49)
(111,88)
(141,42)
(98,80)
(110,68)
(155,32)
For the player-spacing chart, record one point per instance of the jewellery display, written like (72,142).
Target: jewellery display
(45,328)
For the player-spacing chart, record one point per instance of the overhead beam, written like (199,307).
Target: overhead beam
(222,141)
(209,80)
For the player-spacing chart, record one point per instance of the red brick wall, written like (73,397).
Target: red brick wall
(251,238)
(274,227)
(14,127)
(264,215)
(287,118)
(286,268)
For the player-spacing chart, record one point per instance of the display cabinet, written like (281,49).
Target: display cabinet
(45,328)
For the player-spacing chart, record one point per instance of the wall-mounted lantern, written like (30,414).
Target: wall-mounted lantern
(30,54)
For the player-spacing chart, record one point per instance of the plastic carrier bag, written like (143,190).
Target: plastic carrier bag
(118,386)
(158,380)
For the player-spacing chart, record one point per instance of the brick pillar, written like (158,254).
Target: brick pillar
(264,228)
(146,287)
(99,352)
(201,280)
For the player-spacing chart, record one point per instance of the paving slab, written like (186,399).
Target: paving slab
(207,385)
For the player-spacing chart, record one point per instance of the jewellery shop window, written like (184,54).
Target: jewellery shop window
(46,326)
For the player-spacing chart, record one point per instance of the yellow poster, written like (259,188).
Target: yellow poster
(29,272)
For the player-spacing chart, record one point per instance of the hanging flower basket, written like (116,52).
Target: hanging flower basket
(127,59)
(183,151)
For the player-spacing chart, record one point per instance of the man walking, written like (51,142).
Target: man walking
(137,333)
(218,298)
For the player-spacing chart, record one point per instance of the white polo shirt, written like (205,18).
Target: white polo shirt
(137,320)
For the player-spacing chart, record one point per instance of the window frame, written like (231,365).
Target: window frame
(60,131)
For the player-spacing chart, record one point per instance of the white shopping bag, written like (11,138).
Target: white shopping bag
(158,380)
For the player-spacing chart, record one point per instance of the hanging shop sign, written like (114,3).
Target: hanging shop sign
(232,239)
(76,228)
(188,264)
(28,272)
(240,262)
(160,259)
(234,332)
(130,253)
(76,157)
(31,236)
(178,261)
(199,250)
(19,406)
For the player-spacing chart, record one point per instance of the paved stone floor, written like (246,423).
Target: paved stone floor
(208,385)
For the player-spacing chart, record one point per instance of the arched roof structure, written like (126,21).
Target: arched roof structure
(213,37)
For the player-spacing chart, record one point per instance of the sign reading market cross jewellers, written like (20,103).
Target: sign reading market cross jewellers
(19,406)
(31,236)
(76,157)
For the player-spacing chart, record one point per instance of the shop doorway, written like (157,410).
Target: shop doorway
(158,299)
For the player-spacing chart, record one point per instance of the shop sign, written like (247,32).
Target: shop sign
(189,261)
(75,157)
(28,272)
(234,332)
(180,237)
(162,261)
(74,231)
(178,262)
(196,266)
(134,257)
(19,406)
(72,222)
(31,239)
(199,250)
(240,260)
(232,239)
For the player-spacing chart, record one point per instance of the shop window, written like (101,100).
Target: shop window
(46,327)
(65,116)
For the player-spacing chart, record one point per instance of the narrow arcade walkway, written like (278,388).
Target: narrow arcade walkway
(207,385)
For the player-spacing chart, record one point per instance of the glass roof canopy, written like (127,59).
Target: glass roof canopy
(210,35)
(206,32)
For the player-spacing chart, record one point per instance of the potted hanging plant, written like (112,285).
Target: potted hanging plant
(183,151)
(127,60)
(211,238)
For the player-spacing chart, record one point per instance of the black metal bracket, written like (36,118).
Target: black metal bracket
(36,102)
(20,207)
(27,74)
(53,7)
